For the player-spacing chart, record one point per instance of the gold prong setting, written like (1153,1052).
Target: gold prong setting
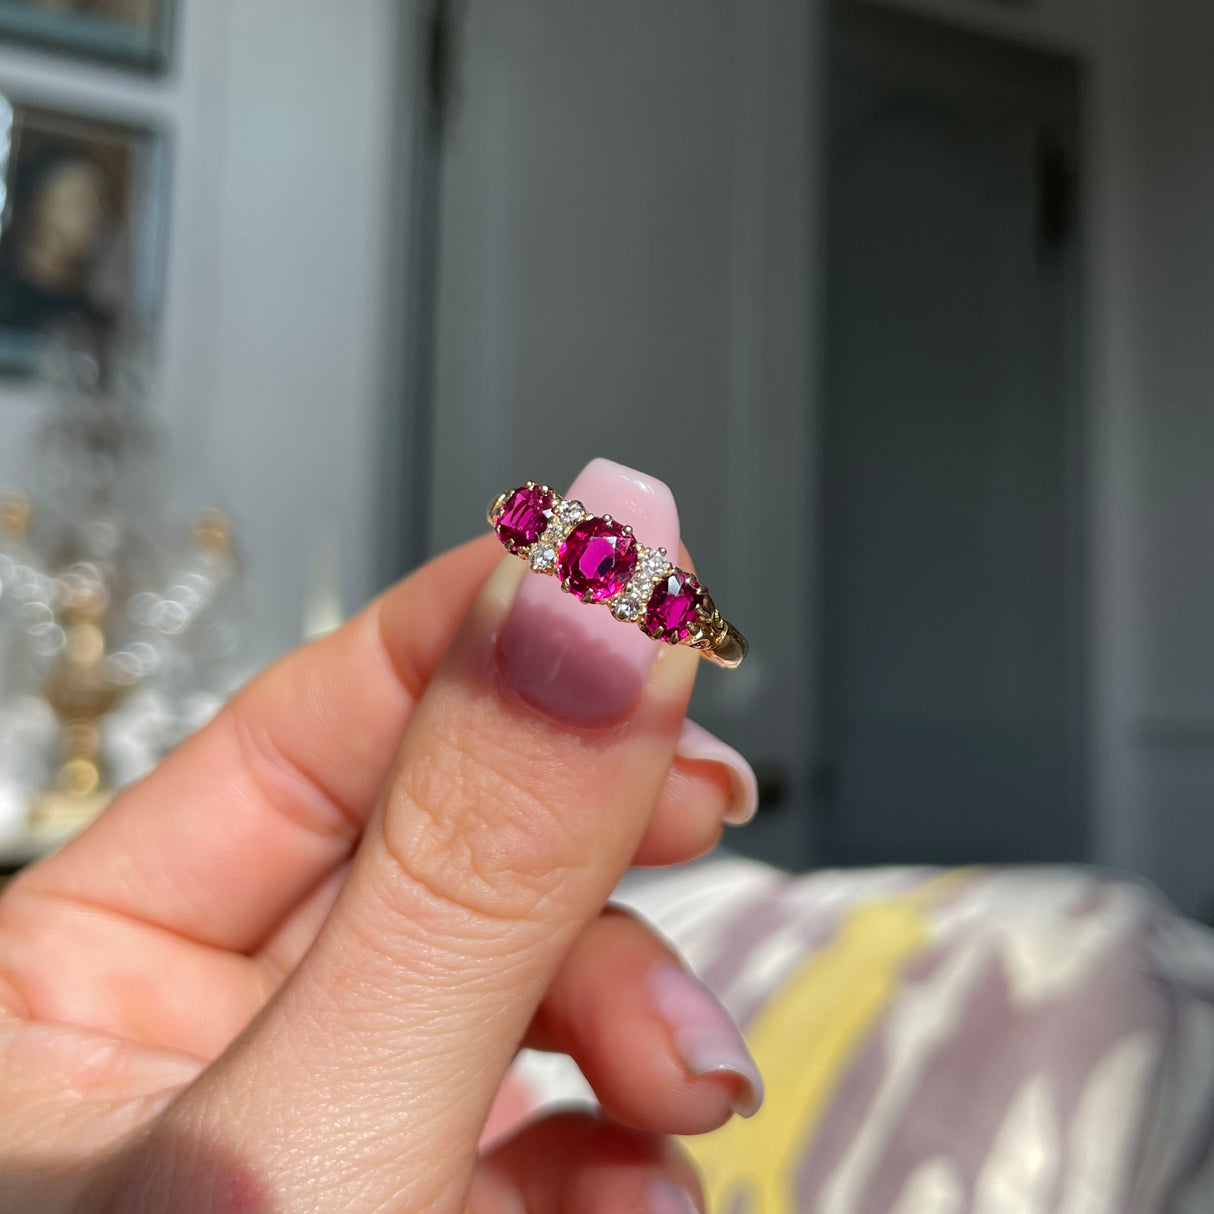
(542,557)
(566,514)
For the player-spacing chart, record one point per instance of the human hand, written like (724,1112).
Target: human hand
(288,971)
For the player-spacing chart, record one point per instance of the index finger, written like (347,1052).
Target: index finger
(232,830)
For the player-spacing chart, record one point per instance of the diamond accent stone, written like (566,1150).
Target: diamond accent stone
(627,607)
(543,558)
(565,517)
(654,563)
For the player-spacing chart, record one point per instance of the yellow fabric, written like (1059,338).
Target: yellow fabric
(803,1040)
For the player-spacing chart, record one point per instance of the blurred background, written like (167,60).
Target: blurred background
(911,303)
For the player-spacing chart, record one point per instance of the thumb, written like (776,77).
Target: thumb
(522,787)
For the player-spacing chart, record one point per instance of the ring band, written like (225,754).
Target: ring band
(599,560)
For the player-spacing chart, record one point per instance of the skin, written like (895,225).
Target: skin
(288,970)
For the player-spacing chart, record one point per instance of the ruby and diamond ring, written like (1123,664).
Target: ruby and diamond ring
(598,559)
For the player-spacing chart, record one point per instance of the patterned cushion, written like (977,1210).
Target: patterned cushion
(935,1042)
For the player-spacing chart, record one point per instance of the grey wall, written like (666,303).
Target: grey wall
(1164,814)
(1149,310)
(577,320)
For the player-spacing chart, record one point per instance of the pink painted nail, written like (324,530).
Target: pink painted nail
(698,745)
(575,661)
(664,1196)
(704,1033)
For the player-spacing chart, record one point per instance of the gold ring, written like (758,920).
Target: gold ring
(598,559)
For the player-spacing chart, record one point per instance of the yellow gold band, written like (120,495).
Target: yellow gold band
(598,559)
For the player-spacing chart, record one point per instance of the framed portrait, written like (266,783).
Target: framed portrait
(82,227)
(137,33)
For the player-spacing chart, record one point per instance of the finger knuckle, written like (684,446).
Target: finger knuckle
(460,822)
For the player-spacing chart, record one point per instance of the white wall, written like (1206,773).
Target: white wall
(280,114)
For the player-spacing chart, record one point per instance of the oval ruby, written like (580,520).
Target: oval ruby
(597,559)
(525,516)
(673,608)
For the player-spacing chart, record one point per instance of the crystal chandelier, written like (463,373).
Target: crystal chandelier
(109,605)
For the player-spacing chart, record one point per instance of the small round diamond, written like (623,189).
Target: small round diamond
(654,563)
(626,607)
(673,608)
(543,558)
(524,516)
(565,516)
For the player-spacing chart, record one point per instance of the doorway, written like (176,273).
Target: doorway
(952,639)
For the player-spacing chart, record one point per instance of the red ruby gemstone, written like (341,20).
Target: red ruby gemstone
(597,558)
(673,607)
(524,517)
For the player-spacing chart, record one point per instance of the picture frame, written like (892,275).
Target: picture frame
(137,34)
(82,226)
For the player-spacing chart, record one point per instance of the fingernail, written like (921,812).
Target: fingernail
(574,660)
(700,746)
(704,1033)
(664,1196)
